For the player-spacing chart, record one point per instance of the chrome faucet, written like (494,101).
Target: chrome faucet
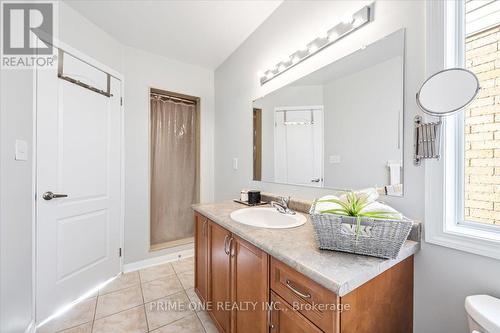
(282,206)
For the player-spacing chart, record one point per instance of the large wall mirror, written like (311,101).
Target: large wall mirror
(340,127)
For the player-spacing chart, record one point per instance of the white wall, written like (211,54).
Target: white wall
(362,125)
(81,34)
(16,201)
(443,277)
(142,71)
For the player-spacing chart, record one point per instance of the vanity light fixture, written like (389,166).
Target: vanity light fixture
(348,25)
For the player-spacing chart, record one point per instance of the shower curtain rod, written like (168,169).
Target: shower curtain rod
(174,98)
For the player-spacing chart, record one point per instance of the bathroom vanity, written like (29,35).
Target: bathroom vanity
(277,280)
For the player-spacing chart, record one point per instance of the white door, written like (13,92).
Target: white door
(299,146)
(78,155)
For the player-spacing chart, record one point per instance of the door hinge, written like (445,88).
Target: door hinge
(120,252)
(121,100)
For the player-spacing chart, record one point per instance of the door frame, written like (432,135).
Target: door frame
(95,63)
(197,100)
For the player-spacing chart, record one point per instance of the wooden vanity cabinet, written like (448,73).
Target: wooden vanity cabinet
(383,304)
(201,257)
(306,296)
(284,319)
(250,287)
(220,276)
(232,275)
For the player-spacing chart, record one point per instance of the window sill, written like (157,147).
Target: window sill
(468,239)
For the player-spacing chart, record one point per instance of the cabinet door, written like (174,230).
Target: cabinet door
(220,276)
(250,287)
(284,319)
(201,257)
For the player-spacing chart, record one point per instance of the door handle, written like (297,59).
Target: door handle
(228,243)
(225,244)
(204,228)
(230,247)
(270,315)
(315,180)
(49,195)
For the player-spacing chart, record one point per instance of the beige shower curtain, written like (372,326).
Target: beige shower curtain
(173,169)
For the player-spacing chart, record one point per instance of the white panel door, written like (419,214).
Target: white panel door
(299,146)
(79,155)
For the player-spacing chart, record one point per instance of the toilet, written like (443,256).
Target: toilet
(483,313)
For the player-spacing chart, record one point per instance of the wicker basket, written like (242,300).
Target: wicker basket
(377,237)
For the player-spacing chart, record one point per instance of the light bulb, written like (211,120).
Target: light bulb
(333,36)
(357,22)
(347,19)
(313,48)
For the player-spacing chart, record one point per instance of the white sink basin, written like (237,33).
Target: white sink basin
(267,218)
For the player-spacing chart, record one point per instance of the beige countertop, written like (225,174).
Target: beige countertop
(337,271)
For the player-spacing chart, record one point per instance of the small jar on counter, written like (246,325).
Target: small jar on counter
(244,195)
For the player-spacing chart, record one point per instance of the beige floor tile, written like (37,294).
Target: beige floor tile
(85,328)
(121,282)
(183,265)
(189,324)
(161,287)
(194,299)
(156,272)
(167,310)
(81,313)
(207,322)
(129,321)
(187,279)
(118,301)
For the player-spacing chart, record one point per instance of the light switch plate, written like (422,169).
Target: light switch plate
(21,150)
(235,163)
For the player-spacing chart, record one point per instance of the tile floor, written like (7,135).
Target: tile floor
(158,299)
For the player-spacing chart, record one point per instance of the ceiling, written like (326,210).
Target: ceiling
(202,33)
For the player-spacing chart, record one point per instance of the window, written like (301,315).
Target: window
(482,119)
(463,188)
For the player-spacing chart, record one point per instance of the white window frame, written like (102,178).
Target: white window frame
(444,186)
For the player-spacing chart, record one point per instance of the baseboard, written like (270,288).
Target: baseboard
(31,327)
(174,256)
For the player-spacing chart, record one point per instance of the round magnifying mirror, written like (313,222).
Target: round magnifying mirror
(447,91)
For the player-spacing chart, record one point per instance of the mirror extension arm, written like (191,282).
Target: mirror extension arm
(443,93)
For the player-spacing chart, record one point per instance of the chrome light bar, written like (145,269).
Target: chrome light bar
(348,25)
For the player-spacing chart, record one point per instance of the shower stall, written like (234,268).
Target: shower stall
(174,167)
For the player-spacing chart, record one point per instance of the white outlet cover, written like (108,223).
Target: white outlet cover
(21,150)
(334,159)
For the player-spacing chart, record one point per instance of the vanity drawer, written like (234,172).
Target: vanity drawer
(286,320)
(309,298)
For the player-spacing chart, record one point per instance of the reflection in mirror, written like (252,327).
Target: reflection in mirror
(339,127)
